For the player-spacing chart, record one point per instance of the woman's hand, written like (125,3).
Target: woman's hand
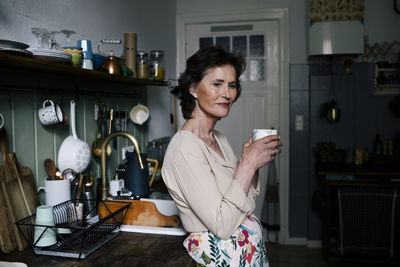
(256,154)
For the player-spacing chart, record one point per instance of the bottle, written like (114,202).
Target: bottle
(143,65)
(377,145)
(157,65)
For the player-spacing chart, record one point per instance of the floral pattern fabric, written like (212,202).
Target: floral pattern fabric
(333,10)
(244,248)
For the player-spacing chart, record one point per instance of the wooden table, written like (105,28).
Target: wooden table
(127,249)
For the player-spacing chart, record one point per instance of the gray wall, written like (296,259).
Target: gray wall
(363,115)
(152,20)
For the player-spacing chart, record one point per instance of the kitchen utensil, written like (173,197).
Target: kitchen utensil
(16,51)
(96,145)
(98,61)
(19,189)
(139,114)
(260,133)
(7,237)
(112,64)
(44,236)
(115,186)
(76,54)
(142,212)
(1,121)
(50,168)
(130,51)
(50,113)
(51,55)
(12,44)
(67,34)
(137,179)
(57,191)
(86,46)
(87,53)
(89,204)
(73,153)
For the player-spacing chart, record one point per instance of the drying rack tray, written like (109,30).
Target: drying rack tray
(76,238)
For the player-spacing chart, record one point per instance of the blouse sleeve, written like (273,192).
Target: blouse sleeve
(220,212)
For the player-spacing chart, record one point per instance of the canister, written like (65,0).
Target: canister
(143,64)
(157,65)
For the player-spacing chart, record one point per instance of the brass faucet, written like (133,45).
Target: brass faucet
(104,191)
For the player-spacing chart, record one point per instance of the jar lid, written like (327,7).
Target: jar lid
(142,54)
(156,53)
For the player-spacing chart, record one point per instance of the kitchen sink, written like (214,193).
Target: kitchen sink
(165,207)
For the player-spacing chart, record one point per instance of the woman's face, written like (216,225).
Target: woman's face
(216,92)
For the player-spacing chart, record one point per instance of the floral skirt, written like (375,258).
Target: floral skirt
(245,247)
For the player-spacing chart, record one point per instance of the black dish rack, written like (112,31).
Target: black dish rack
(84,235)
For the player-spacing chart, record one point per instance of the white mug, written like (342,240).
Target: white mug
(260,133)
(115,186)
(57,191)
(50,113)
(44,236)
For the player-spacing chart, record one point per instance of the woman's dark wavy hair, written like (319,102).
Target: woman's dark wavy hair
(197,67)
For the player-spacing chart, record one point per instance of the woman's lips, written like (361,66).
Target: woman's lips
(224,105)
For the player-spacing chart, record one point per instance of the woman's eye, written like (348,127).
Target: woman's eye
(217,84)
(232,86)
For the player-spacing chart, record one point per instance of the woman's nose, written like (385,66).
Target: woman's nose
(226,92)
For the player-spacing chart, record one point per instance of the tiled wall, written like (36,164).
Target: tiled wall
(363,115)
(300,154)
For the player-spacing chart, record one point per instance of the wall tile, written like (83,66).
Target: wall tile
(298,216)
(299,77)
(321,83)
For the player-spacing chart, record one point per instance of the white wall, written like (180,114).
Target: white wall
(152,20)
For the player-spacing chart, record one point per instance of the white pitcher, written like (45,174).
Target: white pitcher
(57,191)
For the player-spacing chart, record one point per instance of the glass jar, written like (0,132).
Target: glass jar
(157,65)
(143,65)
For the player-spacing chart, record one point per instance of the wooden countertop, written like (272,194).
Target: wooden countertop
(127,249)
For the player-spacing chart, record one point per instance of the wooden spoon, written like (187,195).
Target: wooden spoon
(51,169)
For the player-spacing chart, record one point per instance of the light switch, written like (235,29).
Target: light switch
(299,123)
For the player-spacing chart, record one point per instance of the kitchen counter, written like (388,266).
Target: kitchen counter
(127,249)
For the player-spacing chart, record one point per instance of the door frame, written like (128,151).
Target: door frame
(281,15)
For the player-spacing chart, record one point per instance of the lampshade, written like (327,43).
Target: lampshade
(336,37)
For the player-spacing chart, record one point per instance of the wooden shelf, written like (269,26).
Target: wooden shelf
(16,64)
(388,88)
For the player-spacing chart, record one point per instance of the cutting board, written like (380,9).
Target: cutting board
(19,190)
(140,212)
(7,237)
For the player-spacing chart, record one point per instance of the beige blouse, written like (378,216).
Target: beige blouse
(202,185)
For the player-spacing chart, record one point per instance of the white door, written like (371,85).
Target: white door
(259,103)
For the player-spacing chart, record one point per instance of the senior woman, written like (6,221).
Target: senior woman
(214,192)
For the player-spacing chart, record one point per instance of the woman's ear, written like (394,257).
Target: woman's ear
(193,91)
